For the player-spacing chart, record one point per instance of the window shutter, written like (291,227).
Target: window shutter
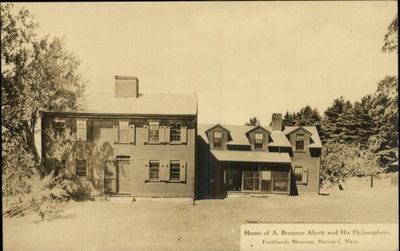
(164,170)
(89,130)
(304,179)
(147,171)
(183,134)
(115,133)
(161,134)
(146,133)
(167,134)
(182,171)
(132,133)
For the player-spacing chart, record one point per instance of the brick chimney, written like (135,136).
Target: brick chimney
(276,122)
(126,86)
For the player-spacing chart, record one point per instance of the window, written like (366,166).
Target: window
(81,168)
(280,181)
(59,126)
(258,142)
(217,139)
(175,133)
(81,129)
(154,170)
(153,131)
(251,180)
(174,173)
(298,173)
(300,142)
(123,132)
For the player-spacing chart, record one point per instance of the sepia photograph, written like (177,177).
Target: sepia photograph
(216,125)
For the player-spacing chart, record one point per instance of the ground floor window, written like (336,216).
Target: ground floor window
(251,180)
(258,180)
(298,173)
(81,168)
(280,181)
(174,172)
(154,170)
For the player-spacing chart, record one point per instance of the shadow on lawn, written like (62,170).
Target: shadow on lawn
(57,217)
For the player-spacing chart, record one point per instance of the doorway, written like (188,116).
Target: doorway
(117,176)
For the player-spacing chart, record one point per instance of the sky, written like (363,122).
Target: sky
(243,59)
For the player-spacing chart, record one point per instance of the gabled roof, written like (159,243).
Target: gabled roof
(257,127)
(316,141)
(279,139)
(239,137)
(160,104)
(293,129)
(217,125)
(251,156)
(237,133)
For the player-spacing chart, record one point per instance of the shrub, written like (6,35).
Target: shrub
(44,198)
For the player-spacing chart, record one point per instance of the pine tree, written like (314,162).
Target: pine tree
(307,116)
(334,120)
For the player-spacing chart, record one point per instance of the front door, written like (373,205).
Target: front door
(124,176)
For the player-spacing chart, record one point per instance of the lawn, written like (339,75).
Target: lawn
(175,224)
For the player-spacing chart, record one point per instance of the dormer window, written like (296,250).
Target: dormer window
(217,139)
(300,142)
(258,140)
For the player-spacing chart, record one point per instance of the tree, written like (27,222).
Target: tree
(384,111)
(365,124)
(253,122)
(391,37)
(334,120)
(307,116)
(365,162)
(37,74)
(17,167)
(334,167)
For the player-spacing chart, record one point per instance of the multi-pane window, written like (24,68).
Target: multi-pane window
(154,170)
(81,168)
(280,181)
(174,171)
(81,129)
(175,133)
(300,142)
(153,131)
(298,173)
(251,180)
(123,132)
(59,126)
(217,139)
(258,141)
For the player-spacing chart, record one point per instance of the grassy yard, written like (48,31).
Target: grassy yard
(174,224)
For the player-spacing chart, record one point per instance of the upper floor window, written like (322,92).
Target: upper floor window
(81,129)
(258,140)
(153,131)
(300,142)
(123,132)
(217,139)
(175,133)
(81,167)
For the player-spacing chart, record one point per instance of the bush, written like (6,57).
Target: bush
(43,198)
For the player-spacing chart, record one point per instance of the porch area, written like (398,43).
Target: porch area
(252,172)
